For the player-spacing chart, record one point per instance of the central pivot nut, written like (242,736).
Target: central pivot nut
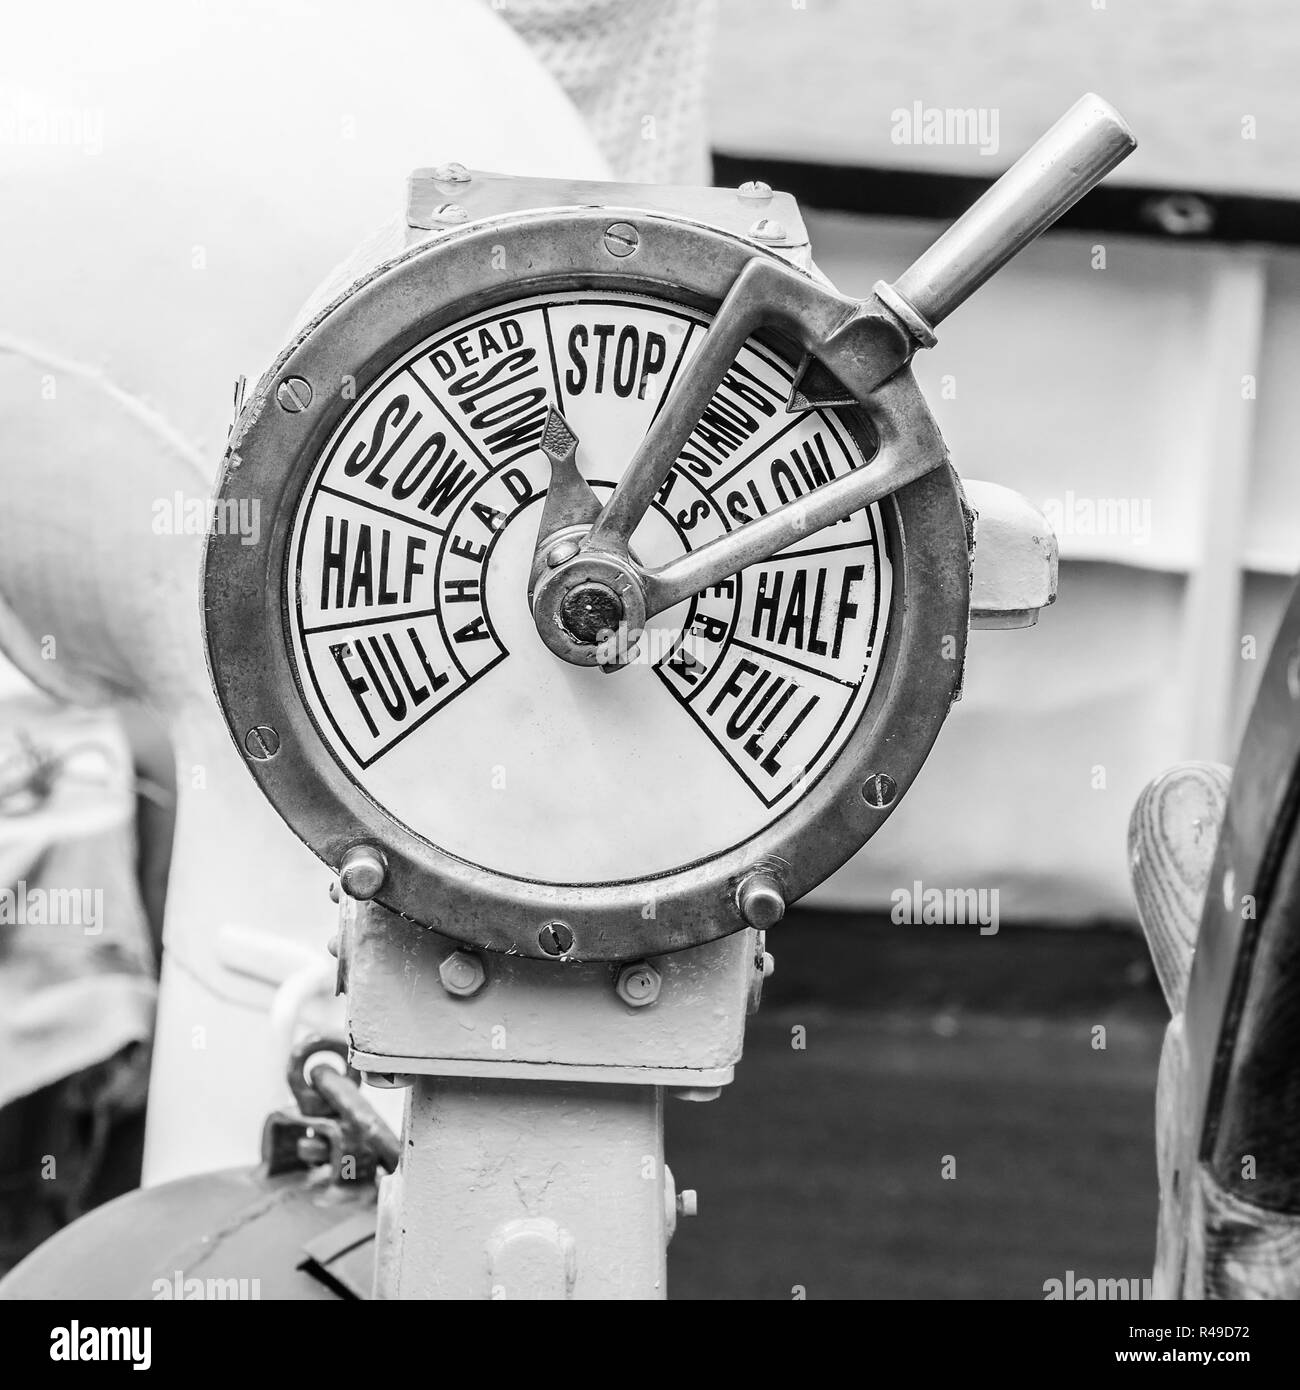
(580,602)
(590,611)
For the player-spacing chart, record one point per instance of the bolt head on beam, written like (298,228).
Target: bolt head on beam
(638,984)
(462,974)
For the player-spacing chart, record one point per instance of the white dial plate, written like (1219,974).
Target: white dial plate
(416,650)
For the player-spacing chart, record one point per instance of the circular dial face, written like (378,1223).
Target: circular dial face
(417,653)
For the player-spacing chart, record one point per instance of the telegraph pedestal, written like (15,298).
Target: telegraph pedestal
(533,1139)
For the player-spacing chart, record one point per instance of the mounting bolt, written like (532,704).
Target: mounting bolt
(761,902)
(754,190)
(560,552)
(879,790)
(293,394)
(688,1202)
(462,974)
(363,872)
(261,743)
(638,984)
(451,173)
(555,938)
(621,239)
(767,229)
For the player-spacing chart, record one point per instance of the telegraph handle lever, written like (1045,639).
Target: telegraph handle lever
(1048,179)
(1071,158)
(909,446)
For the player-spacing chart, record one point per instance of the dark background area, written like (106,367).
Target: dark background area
(821,1168)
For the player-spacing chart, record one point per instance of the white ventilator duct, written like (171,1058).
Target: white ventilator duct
(175,178)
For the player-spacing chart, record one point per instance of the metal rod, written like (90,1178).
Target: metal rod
(903,456)
(737,316)
(349,1104)
(1051,176)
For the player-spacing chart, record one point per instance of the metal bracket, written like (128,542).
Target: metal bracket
(538,1020)
(1016,555)
(450,195)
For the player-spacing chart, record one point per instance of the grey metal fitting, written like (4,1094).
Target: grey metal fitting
(462,974)
(638,984)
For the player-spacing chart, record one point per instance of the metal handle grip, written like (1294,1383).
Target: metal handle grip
(1050,177)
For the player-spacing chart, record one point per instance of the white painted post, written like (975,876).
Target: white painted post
(515,1189)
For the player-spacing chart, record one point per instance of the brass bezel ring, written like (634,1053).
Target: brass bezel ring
(272,453)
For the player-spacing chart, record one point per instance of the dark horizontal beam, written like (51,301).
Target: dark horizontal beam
(1120,209)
